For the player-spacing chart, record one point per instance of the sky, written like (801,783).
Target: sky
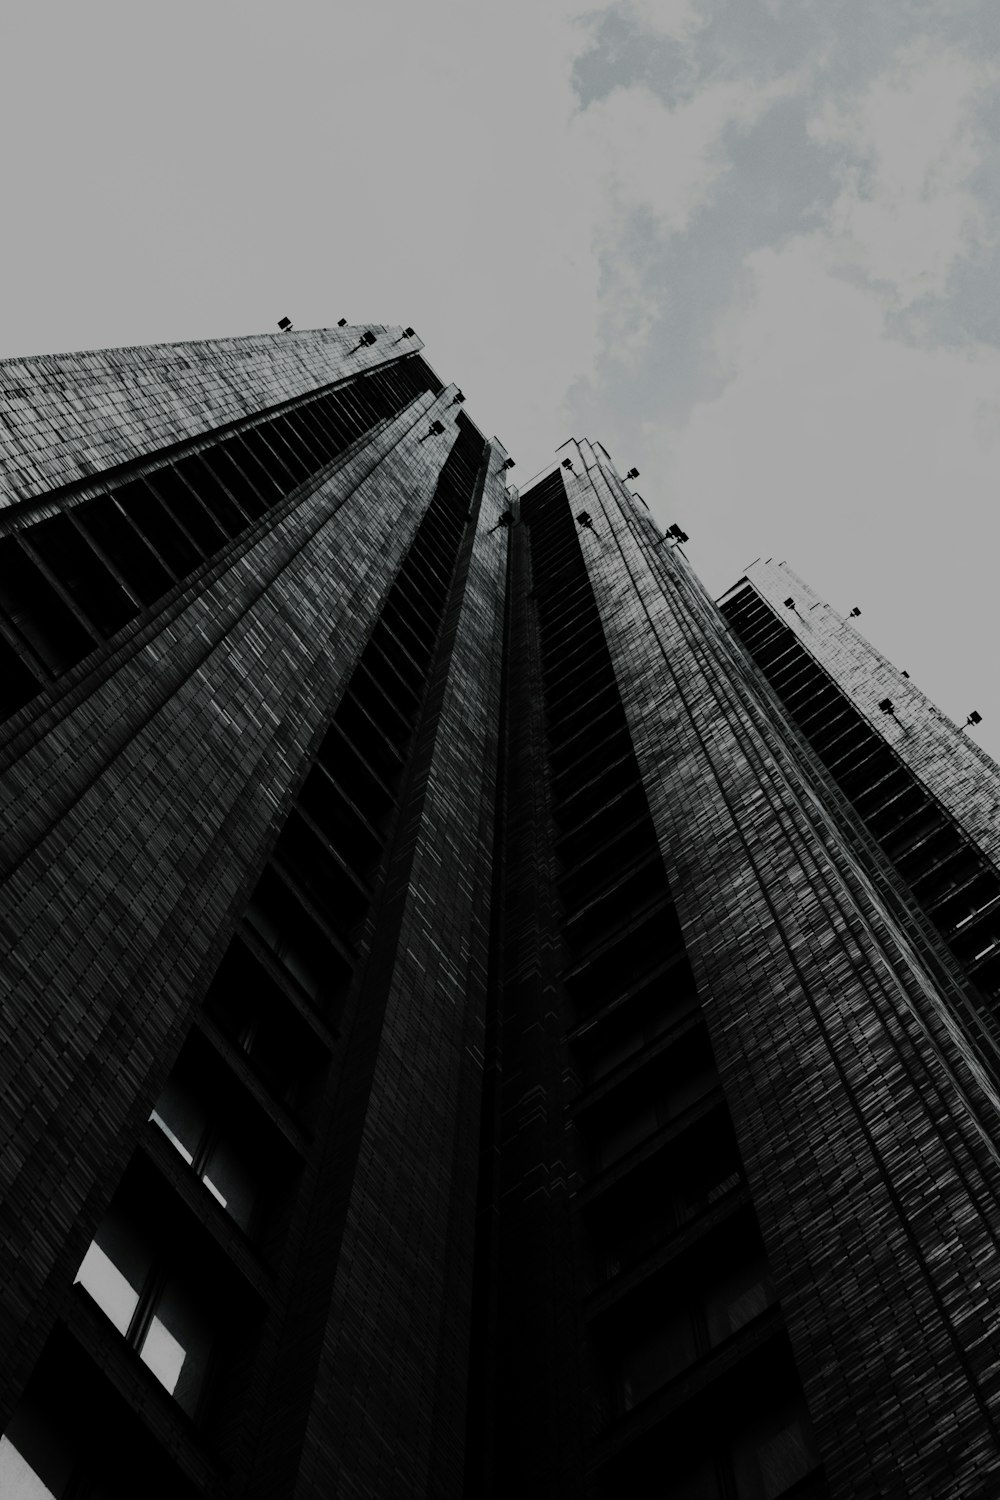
(751,246)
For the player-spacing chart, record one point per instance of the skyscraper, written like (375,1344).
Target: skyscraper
(466,1031)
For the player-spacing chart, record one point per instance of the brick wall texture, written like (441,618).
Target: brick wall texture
(142,793)
(873,1176)
(963,778)
(66,417)
(136,811)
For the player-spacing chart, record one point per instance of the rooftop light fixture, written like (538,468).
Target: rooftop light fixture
(855,611)
(285,324)
(567,463)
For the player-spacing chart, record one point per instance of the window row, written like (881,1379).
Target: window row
(71,581)
(917,835)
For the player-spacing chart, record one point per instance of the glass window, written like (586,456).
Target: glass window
(178,1344)
(181,1118)
(230,1176)
(775,1453)
(115,1269)
(155,1309)
(18,1480)
(36,1459)
(227,1171)
(738,1298)
(655,1355)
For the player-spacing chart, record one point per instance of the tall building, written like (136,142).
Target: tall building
(478,1019)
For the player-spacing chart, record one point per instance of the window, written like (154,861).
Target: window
(654,1355)
(159,1310)
(249,1008)
(223,1167)
(632,1116)
(19,1480)
(72,1436)
(775,1452)
(737,1297)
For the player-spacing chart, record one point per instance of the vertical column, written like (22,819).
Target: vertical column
(133,814)
(863,1157)
(388,1412)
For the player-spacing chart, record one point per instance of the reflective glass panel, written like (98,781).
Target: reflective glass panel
(181,1118)
(36,1458)
(18,1480)
(114,1269)
(230,1176)
(178,1344)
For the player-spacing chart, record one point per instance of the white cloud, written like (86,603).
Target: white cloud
(650,161)
(678,19)
(910,144)
(666,159)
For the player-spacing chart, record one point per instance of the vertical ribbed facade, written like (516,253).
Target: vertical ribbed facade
(479,1019)
(865,1128)
(258,665)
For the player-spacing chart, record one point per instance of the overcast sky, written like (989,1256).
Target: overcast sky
(752,246)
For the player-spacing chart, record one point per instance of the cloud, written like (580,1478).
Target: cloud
(909,147)
(656,168)
(667,160)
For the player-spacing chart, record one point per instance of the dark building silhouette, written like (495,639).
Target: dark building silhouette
(479,1020)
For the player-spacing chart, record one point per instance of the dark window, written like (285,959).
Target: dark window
(18,684)
(124,546)
(201,475)
(74,564)
(212,1150)
(184,504)
(158,525)
(250,1009)
(37,613)
(305,951)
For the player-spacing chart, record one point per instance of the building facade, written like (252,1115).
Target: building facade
(478,1019)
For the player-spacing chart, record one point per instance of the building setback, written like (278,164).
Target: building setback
(478,1019)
